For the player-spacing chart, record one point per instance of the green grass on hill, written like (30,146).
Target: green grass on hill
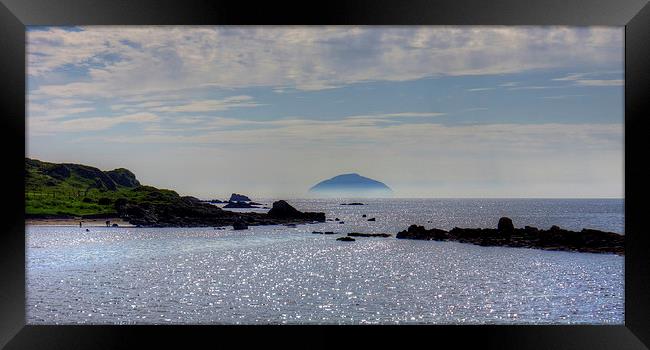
(76,190)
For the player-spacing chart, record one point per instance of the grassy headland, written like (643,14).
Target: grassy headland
(77,190)
(73,190)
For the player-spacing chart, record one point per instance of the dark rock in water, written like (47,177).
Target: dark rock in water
(254,203)
(419,232)
(363,216)
(329,233)
(506,226)
(346,239)
(317,232)
(341,222)
(290,225)
(87,230)
(239,205)
(168,209)
(372,219)
(337,219)
(556,238)
(283,210)
(354,203)
(357,234)
(239,225)
(238,198)
(115,225)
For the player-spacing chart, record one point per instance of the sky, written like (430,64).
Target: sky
(269,111)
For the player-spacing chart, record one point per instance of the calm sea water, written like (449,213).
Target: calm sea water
(278,274)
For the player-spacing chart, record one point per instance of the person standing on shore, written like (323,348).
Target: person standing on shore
(79,223)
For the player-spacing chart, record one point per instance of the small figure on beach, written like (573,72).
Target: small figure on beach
(108,223)
(79,223)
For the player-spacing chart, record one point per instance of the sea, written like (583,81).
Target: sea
(288,275)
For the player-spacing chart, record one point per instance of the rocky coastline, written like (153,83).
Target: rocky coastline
(192,212)
(506,235)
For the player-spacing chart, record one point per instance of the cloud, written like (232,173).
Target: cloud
(122,61)
(481,89)
(210,105)
(535,87)
(600,82)
(397,115)
(560,97)
(434,137)
(48,126)
(583,79)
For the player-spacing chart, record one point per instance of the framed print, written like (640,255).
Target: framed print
(461,171)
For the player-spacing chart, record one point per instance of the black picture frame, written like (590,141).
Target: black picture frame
(16,14)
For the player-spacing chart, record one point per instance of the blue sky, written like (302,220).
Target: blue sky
(270,111)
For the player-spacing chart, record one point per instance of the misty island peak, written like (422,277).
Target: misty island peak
(351,185)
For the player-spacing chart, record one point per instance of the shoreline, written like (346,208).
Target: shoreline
(75,222)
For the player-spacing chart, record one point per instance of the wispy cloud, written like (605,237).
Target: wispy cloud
(210,105)
(397,115)
(600,82)
(560,97)
(593,79)
(481,89)
(535,87)
(48,126)
(127,60)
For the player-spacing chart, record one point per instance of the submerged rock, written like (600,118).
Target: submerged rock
(346,239)
(372,219)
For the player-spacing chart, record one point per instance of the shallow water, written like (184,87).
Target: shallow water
(278,274)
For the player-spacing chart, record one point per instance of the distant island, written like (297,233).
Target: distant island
(76,191)
(351,185)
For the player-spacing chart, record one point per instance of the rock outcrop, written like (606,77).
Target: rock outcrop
(238,198)
(239,225)
(282,210)
(555,238)
(189,211)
